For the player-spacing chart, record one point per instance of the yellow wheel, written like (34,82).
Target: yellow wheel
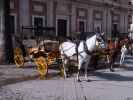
(52,56)
(41,66)
(17,51)
(51,61)
(19,60)
(62,72)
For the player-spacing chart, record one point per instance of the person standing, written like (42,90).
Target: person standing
(111,54)
(123,53)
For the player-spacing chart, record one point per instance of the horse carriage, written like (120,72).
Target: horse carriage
(91,49)
(42,52)
(110,55)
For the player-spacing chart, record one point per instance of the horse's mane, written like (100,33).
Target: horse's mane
(86,35)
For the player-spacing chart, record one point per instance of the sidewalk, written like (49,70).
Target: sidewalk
(11,74)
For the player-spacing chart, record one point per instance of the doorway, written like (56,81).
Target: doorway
(115,32)
(12,24)
(81,26)
(62,27)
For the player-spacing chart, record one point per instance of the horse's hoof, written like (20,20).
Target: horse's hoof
(112,70)
(88,80)
(68,76)
(78,80)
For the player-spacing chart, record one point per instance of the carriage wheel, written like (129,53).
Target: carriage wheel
(62,72)
(19,60)
(52,56)
(41,67)
(50,61)
(17,51)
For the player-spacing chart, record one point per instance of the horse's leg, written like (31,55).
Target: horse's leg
(78,73)
(111,67)
(111,63)
(86,68)
(80,62)
(64,68)
(109,60)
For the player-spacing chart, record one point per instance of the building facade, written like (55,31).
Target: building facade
(72,16)
(69,17)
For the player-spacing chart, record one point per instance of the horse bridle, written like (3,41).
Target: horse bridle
(97,40)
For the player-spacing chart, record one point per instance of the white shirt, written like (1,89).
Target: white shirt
(123,49)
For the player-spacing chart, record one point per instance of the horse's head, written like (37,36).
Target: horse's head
(100,41)
(94,40)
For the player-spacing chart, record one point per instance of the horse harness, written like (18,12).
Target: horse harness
(86,49)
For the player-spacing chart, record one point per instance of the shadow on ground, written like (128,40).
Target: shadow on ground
(127,68)
(128,62)
(113,76)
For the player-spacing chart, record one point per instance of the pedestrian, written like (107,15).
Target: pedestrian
(111,53)
(123,53)
(110,44)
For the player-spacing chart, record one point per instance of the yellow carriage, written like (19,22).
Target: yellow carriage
(42,52)
(43,55)
(47,57)
(18,57)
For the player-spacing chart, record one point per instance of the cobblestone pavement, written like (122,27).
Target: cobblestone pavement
(104,85)
(11,74)
(69,89)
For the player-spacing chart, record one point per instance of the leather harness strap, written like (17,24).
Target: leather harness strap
(86,49)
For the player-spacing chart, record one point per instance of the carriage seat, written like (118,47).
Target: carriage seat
(39,53)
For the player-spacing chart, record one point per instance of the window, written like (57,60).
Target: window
(115,0)
(38,22)
(130,2)
(129,19)
(81,26)
(115,31)
(62,27)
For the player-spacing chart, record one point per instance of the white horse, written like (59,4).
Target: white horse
(83,52)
